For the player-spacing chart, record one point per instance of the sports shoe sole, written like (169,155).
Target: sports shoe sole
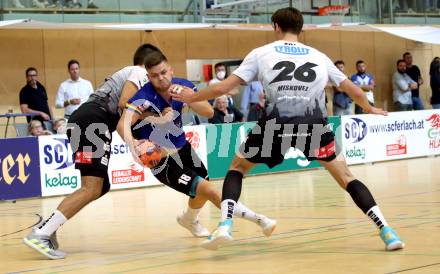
(395,246)
(214,244)
(40,250)
(267,231)
(202,235)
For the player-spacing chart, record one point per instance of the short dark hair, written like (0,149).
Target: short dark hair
(142,52)
(154,58)
(405,54)
(400,61)
(360,62)
(219,65)
(71,62)
(339,62)
(31,69)
(288,20)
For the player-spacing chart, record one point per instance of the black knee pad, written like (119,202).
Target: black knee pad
(105,186)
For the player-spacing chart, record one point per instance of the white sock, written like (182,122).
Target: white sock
(227,207)
(243,212)
(51,224)
(191,213)
(376,216)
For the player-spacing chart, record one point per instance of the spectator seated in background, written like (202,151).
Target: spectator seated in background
(36,129)
(33,98)
(59,126)
(224,113)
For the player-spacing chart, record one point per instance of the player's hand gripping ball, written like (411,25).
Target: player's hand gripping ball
(150,153)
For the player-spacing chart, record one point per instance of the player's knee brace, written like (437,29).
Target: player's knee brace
(361,195)
(105,186)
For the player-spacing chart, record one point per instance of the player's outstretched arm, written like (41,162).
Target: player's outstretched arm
(359,98)
(202,108)
(210,92)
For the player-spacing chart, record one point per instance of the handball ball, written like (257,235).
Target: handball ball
(150,154)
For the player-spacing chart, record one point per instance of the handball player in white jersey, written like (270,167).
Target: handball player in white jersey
(294,76)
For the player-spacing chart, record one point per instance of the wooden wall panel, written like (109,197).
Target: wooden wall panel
(102,52)
(388,49)
(357,46)
(18,51)
(59,47)
(173,45)
(240,43)
(207,44)
(326,41)
(113,50)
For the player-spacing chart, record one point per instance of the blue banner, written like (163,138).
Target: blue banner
(19,168)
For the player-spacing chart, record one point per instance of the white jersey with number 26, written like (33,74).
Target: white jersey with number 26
(293,76)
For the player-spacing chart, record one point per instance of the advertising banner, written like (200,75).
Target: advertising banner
(371,138)
(223,141)
(58,173)
(123,171)
(196,136)
(19,169)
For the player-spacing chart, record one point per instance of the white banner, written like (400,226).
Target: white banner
(372,138)
(196,136)
(58,173)
(123,171)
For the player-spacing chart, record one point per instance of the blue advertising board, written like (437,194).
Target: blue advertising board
(19,168)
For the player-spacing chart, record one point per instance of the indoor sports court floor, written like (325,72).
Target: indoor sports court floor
(319,229)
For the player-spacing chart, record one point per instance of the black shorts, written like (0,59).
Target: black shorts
(272,137)
(184,176)
(89,131)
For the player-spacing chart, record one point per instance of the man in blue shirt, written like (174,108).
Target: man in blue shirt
(180,168)
(251,98)
(366,82)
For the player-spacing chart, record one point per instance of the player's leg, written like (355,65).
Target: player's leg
(208,191)
(363,199)
(94,181)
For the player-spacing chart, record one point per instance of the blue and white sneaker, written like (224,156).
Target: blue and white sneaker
(390,238)
(220,236)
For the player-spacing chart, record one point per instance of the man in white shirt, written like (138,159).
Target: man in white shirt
(74,91)
(294,76)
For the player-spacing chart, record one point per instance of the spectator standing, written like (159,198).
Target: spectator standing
(220,75)
(402,87)
(366,82)
(413,71)
(342,103)
(250,98)
(74,91)
(435,83)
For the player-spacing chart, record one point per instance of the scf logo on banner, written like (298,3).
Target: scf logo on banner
(58,175)
(355,130)
(19,172)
